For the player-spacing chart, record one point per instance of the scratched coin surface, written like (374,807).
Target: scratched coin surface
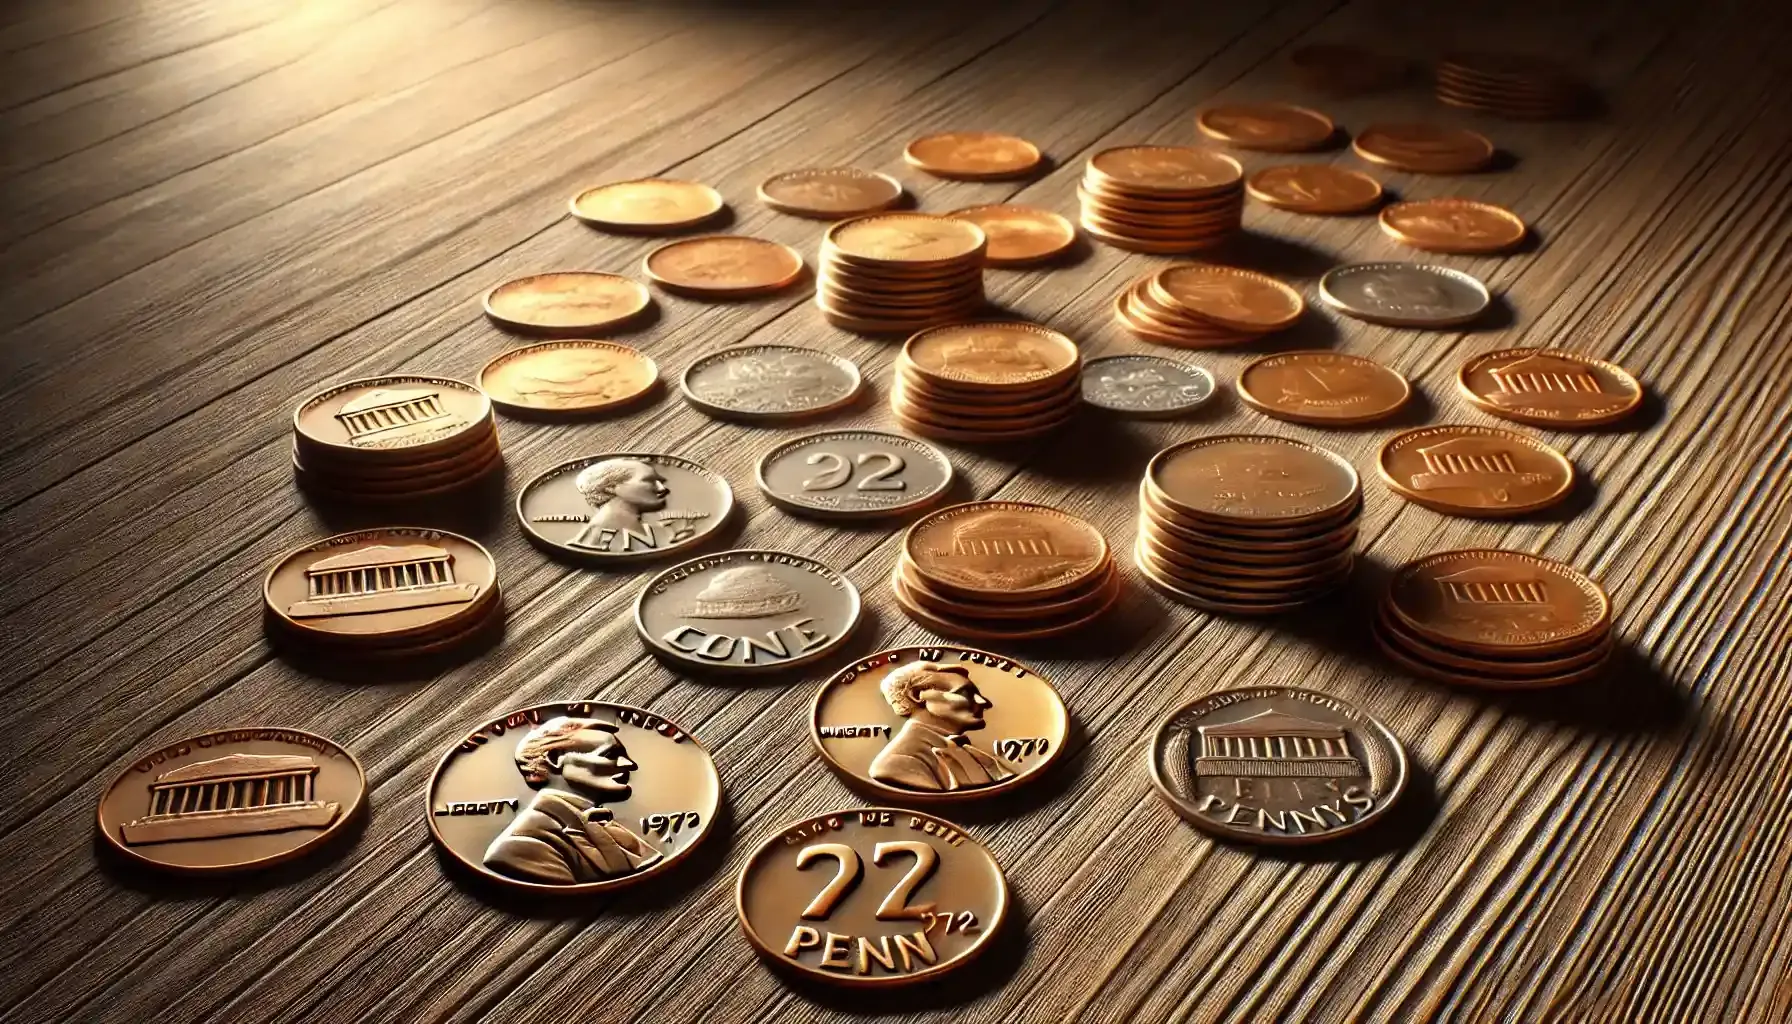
(1145,385)
(1257,479)
(1404,294)
(570,302)
(1424,148)
(1013,549)
(871,897)
(648,205)
(723,266)
(973,156)
(1475,471)
(1454,226)
(1322,388)
(624,506)
(1314,188)
(1278,127)
(829,193)
(854,474)
(233,800)
(1277,765)
(1019,236)
(771,382)
(1499,602)
(388,583)
(569,377)
(1550,387)
(747,611)
(576,796)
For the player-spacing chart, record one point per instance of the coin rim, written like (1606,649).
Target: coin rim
(654,227)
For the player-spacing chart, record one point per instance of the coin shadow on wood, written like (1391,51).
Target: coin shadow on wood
(347,667)
(1136,616)
(168,885)
(1313,331)
(1280,257)
(1092,450)
(1498,316)
(1632,697)
(472,511)
(1343,622)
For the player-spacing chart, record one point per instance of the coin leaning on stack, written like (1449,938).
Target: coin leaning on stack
(1203,305)
(1162,199)
(897,273)
(987,382)
(394,439)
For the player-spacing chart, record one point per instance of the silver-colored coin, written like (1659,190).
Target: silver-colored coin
(1145,385)
(1404,294)
(624,506)
(854,474)
(747,611)
(771,382)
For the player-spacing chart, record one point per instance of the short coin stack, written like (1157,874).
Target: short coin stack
(1202,305)
(1247,524)
(1512,86)
(896,273)
(1162,199)
(394,439)
(987,382)
(1500,619)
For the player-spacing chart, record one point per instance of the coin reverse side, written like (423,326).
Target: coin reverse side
(1404,294)
(771,382)
(569,377)
(747,611)
(1145,385)
(854,474)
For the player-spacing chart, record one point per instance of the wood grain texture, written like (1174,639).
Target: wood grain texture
(214,207)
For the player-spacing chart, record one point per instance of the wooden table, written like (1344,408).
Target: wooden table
(212,208)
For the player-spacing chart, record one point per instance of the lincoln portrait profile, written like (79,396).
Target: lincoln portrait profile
(619,491)
(563,837)
(931,752)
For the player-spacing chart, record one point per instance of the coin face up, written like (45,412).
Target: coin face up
(1314,188)
(1277,127)
(418,414)
(648,206)
(1019,236)
(1454,225)
(1550,387)
(908,238)
(747,611)
(996,355)
(1277,765)
(1501,602)
(829,193)
(574,797)
(771,382)
(392,582)
(1424,148)
(1252,477)
(1404,294)
(229,801)
(1009,547)
(572,302)
(1475,471)
(871,897)
(973,156)
(624,506)
(945,723)
(724,266)
(1145,385)
(569,377)
(1322,388)
(1166,169)
(854,474)
(1242,300)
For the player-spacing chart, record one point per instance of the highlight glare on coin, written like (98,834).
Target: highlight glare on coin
(622,507)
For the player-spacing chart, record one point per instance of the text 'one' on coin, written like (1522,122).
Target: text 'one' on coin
(569,377)
(771,382)
(624,506)
(747,611)
(854,474)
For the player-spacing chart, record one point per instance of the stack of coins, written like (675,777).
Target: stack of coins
(1513,86)
(1202,305)
(986,382)
(1162,199)
(1246,524)
(399,438)
(900,272)
(1004,570)
(1495,618)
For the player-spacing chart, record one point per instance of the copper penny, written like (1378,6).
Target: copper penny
(909,240)
(1475,471)
(1411,661)
(1322,388)
(233,800)
(1074,602)
(1166,170)
(723,266)
(571,302)
(1499,602)
(747,611)
(1550,387)
(574,797)
(829,193)
(1255,479)
(993,356)
(624,506)
(1276,765)
(569,377)
(1278,127)
(1314,188)
(1404,294)
(1424,148)
(1454,226)
(1242,300)
(1005,550)
(1003,628)
(383,583)
(771,382)
(647,206)
(1273,605)
(1019,236)
(1505,666)
(854,474)
(400,416)
(973,156)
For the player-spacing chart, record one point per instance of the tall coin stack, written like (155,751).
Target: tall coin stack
(1247,524)
(987,382)
(394,439)
(896,273)
(1512,86)
(1162,199)
(1203,305)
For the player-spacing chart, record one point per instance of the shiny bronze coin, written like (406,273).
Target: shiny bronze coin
(1222,583)
(1404,294)
(723,266)
(1454,226)
(647,206)
(1167,231)
(1254,479)
(771,382)
(400,468)
(971,435)
(574,797)
(1138,313)
(379,584)
(1277,127)
(573,377)
(1019,236)
(1424,668)
(1505,666)
(999,628)
(926,396)
(1171,551)
(1004,551)
(1241,300)
(1342,69)
(974,417)
(849,321)
(973,156)
(854,474)
(993,356)
(896,304)
(908,241)
(624,506)
(1164,170)
(1424,148)
(1277,765)
(938,723)
(1146,386)
(1494,602)
(830,193)
(1275,554)
(378,419)
(570,302)
(747,611)
(1150,247)
(1078,602)
(1149,210)
(1314,188)
(1322,388)
(232,800)
(1550,387)
(408,482)
(1475,471)
(1169,588)
(486,616)
(1300,541)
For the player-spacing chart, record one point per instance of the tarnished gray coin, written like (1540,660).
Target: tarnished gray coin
(1404,294)
(747,611)
(854,474)
(1145,385)
(771,382)
(624,506)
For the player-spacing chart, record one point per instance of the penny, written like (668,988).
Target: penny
(1322,388)
(574,797)
(1278,127)
(1257,479)
(1019,236)
(1145,385)
(973,156)
(386,583)
(1277,765)
(747,611)
(854,474)
(402,481)
(1241,300)
(624,506)
(909,240)
(1550,387)
(1074,602)
(1424,148)
(1503,666)
(1475,471)
(1409,661)
(830,193)
(998,355)
(971,403)
(771,382)
(1314,188)
(1211,586)
(1177,592)
(569,377)
(1032,627)
(723,266)
(1404,294)
(1499,602)
(570,302)
(1169,170)
(1453,226)
(406,414)
(1004,550)
(648,205)
(1302,541)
